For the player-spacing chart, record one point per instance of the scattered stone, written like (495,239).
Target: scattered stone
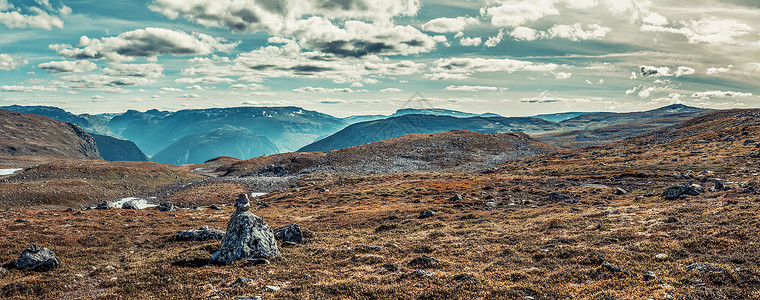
(128,205)
(422,273)
(671,220)
(248,298)
(700,267)
(247,236)
(214,207)
(258,261)
(686,189)
(109,267)
(557,196)
(423,261)
(22,221)
(610,267)
(69,210)
(103,205)
(166,206)
(79,213)
(391,267)
(620,191)
(369,247)
(463,278)
(202,234)
(3,271)
(36,258)
(427,214)
(719,186)
(273,288)
(289,233)
(323,190)
(492,204)
(241,281)
(650,275)
(661,256)
(456,197)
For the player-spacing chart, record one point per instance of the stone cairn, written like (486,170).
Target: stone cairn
(247,237)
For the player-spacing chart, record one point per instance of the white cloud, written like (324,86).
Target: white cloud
(39,18)
(631,91)
(390,90)
(473,88)
(165,90)
(459,68)
(137,70)
(472,42)
(247,87)
(720,94)
(714,71)
(525,34)
(309,89)
(562,75)
(189,96)
(8,63)
(707,30)
(101,82)
(443,25)
(576,32)
(27,89)
(79,66)
(683,71)
(205,80)
(495,40)
(148,43)
(520,12)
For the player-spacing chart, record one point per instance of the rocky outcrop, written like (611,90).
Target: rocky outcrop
(36,258)
(686,189)
(289,233)
(247,237)
(201,234)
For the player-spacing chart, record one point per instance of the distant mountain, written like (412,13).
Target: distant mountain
(603,119)
(439,112)
(87,122)
(113,149)
(446,151)
(559,117)
(286,127)
(198,148)
(372,131)
(27,134)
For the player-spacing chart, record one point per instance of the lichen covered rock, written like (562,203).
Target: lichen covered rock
(247,237)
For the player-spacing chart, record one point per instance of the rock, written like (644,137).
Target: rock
(248,298)
(687,189)
(492,204)
(214,207)
(620,191)
(288,244)
(422,273)
(128,205)
(463,278)
(258,261)
(247,236)
(289,233)
(323,190)
(671,220)
(456,197)
(369,247)
(700,267)
(37,259)
(557,196)
(272,288)
(650,275)
(202,234)
(427,214)
(103,205)
(391,267)
(166,206)
(423,261)
(719,186)
(661,256)
(3,271)
(241,281)
(610,267)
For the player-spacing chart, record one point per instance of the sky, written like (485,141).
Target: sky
(354,57)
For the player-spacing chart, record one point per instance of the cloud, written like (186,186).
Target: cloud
(79,66)
(473,88)
(101,82)
(189,96)
(136,70)
(683,71)
(707,30)
(562,75)
(516,13)
(390,90)
(308,89)
(148,43)
(525,34)
(720,94)
(544,97)
(204,80)
(40,17)
(651,71)
(575,32)
(165,90)
(443,25)
(8,63)
(459,68)
(468,41)
(714,71)
(495,40)
(27,89)
(275,16)
(247,87)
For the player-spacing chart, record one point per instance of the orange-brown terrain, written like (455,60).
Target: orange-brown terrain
(587,223)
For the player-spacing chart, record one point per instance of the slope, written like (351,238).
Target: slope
(26,134)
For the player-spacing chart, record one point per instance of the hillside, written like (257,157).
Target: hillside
(603,119)
(113,149)
(89,123)
(25,134)
(372,131)
(234,142)
(444,152)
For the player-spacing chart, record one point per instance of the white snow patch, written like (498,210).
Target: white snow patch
(4,172)
(256,194)
(139,203)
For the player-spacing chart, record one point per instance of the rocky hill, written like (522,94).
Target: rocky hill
(113,149)
(447,151)
(26,134)
(90,123)
(234,142)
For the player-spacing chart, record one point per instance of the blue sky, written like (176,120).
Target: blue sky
(348,57)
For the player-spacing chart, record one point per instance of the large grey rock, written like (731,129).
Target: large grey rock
(37,259)
(129,205)
(201,234)
(289,233)
(247,236)
(685,189)
(166,206)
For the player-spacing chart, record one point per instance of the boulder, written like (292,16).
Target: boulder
(202,234)
(427,214)
(128,205)
(289,233)
(456,197)
(103,205)
(688,189)
(166,206)
(247,236)
(37,259)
